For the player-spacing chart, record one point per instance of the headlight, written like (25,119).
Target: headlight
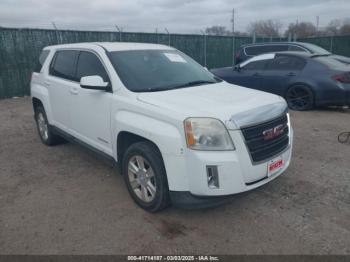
(207,134)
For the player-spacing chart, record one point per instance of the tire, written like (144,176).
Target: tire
(44,129)
(300,98)
(148,185)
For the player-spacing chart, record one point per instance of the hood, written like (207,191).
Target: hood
(234,105)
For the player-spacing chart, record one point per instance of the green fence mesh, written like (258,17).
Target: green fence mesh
(20,48)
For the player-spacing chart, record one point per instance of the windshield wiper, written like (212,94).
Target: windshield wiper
(192,83)
(197,83)
(318,55)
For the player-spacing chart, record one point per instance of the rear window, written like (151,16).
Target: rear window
(64,64)
(257,50)
(286,63)
(41,60)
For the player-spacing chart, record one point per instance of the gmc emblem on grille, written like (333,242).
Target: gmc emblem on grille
(273,132)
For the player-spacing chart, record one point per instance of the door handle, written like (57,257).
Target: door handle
(74,90)
(291,74)
(47,83)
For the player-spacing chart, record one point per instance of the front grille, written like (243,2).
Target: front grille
(261,149)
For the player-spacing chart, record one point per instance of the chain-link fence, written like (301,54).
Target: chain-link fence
(20,48)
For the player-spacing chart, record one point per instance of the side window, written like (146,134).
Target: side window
(275,48)
(286,63)
(64,63)
(89,64)
(253,50)
(262,49)
(255,65)
(296,48)
(41,60)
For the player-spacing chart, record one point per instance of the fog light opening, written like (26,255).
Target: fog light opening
(212,177)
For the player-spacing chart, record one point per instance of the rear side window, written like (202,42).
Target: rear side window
(64,64)
(295,48)
(41,60)
(255,65)
(257,50)
(286,63)
(89,64)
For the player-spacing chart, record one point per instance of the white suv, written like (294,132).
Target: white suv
(180,134)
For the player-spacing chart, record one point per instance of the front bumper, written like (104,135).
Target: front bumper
(236,171)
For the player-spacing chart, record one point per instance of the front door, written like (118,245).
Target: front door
(91,108)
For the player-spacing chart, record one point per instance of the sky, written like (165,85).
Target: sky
(177,16)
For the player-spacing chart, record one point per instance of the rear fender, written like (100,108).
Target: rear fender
(42,94)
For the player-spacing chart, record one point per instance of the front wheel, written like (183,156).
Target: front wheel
(145,176)
(300,98)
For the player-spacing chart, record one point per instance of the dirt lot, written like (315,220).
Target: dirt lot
(65,200)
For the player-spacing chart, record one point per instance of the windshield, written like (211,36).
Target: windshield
(316,49)
(158,70)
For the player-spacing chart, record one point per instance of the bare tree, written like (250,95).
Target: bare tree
(217,30)
(333,27)
(240,33)
(303,29)
(345,28)
(265,28)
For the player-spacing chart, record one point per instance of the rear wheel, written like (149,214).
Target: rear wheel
(300,97)
(44,129)
(145,176)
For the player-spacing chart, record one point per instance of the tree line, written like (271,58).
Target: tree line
(273,28)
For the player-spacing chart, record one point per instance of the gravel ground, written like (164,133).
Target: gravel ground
(65,200)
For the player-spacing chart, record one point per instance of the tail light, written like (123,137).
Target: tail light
(342,78)
(237,56)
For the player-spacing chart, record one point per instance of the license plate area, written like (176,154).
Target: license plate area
(274,166)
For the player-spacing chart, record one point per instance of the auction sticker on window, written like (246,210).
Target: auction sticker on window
(175,58)
(274,166)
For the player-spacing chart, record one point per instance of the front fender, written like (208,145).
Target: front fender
(165,135)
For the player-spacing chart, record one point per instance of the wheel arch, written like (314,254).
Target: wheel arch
(308,85)
(125,139)
(40,96)
(36,102)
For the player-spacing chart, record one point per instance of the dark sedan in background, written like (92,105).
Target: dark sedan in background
(304,80)
(247,51)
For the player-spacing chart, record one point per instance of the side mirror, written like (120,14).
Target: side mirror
(94,83)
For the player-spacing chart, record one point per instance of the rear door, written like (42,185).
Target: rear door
(60,81)
(91,108)
(280,73)
(249,74)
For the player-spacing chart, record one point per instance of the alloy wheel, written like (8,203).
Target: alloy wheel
(42,125)
(299,98)
(142,178)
